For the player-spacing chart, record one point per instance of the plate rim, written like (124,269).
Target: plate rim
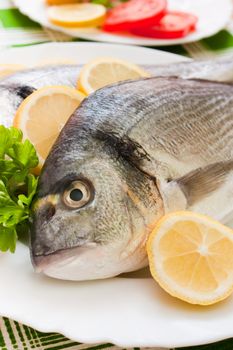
(93,44)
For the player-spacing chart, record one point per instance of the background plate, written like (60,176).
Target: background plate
(128,311)
(213,16)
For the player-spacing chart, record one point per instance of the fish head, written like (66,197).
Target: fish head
(91,220)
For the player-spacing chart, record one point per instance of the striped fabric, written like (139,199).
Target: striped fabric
(17,30)
(16,336)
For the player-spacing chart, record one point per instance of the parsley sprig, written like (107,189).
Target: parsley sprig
(17,185)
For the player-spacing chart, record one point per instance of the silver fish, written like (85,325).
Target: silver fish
(15,88)
(18,86)
(130,153)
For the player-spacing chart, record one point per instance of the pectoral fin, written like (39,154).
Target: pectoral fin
(200,188)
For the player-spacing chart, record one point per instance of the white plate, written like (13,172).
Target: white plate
(213,16)
(130,311)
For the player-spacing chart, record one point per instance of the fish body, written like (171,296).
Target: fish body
(15,88)
(130,153)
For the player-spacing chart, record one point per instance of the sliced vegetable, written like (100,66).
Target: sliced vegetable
(191,257)
(172,26)
(135,14)
(77,15)
(42,115)
(106,70)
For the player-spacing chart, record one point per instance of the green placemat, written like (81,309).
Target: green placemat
(17,30)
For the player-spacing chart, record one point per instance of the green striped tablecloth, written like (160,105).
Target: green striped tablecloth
(18,30)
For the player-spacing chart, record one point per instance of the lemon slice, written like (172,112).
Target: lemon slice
(42,115)
(106,70)
(8,69)
(77,15)
(191,257)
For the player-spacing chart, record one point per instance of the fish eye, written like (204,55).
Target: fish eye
(77,195)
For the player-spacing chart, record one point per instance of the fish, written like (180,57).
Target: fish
(129,154)
(15,88)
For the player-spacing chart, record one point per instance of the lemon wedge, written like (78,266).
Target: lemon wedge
(191,257)
(77,15)
(106,70)
(42,115)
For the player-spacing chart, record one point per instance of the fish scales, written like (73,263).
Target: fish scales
(171,108)
(15,88)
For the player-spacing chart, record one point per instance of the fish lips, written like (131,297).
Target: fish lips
(54,263)
(90,261)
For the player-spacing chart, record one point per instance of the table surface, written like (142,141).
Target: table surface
(18,30)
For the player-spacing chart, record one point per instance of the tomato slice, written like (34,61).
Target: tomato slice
(133,14)
(172,26)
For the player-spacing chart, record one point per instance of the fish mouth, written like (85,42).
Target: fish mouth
(43,262)
(91,261)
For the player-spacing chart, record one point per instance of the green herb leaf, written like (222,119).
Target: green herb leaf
(8,238)
(12,215)
(23,154)
(16,135)
(7,168)
(8,138)
(106,3)
(32,184)
(5,141)
(5,199)
(17,185)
